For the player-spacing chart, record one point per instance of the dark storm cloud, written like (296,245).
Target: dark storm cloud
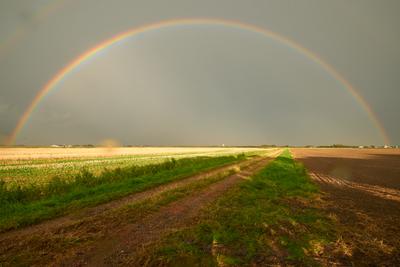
(201,85)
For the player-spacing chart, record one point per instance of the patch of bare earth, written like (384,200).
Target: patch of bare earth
(362,193)
(104,235)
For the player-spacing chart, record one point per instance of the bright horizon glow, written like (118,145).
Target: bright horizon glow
(57,78)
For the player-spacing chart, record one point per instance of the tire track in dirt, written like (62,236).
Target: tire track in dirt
(122,244)
(379,191)
(363,201)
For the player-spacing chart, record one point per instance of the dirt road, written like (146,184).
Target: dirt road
(105,234)
(362,191)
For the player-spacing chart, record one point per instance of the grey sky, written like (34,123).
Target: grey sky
(200,85)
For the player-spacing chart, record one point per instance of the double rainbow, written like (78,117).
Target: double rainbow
(194,21)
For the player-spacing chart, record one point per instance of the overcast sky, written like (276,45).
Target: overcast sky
(200,84)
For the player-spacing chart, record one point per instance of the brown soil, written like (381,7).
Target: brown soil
(362,192)
(105,236)
(120,247)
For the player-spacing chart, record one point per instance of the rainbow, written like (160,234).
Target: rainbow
(193,21)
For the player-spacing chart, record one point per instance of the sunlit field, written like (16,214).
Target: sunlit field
(213,206)
(26,166)
(41,183)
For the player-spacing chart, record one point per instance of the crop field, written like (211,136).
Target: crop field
(199,206)
(362,190)
(24,166)
(52,179)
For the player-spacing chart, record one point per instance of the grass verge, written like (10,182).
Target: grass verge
(24,206)
(271,219)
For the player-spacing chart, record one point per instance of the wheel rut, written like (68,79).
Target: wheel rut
(121,246)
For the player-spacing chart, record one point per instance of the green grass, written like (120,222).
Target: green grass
(270,219)
(21,206)
(92,229)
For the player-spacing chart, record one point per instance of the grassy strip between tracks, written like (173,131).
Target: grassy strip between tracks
(271,219)
(24,206)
